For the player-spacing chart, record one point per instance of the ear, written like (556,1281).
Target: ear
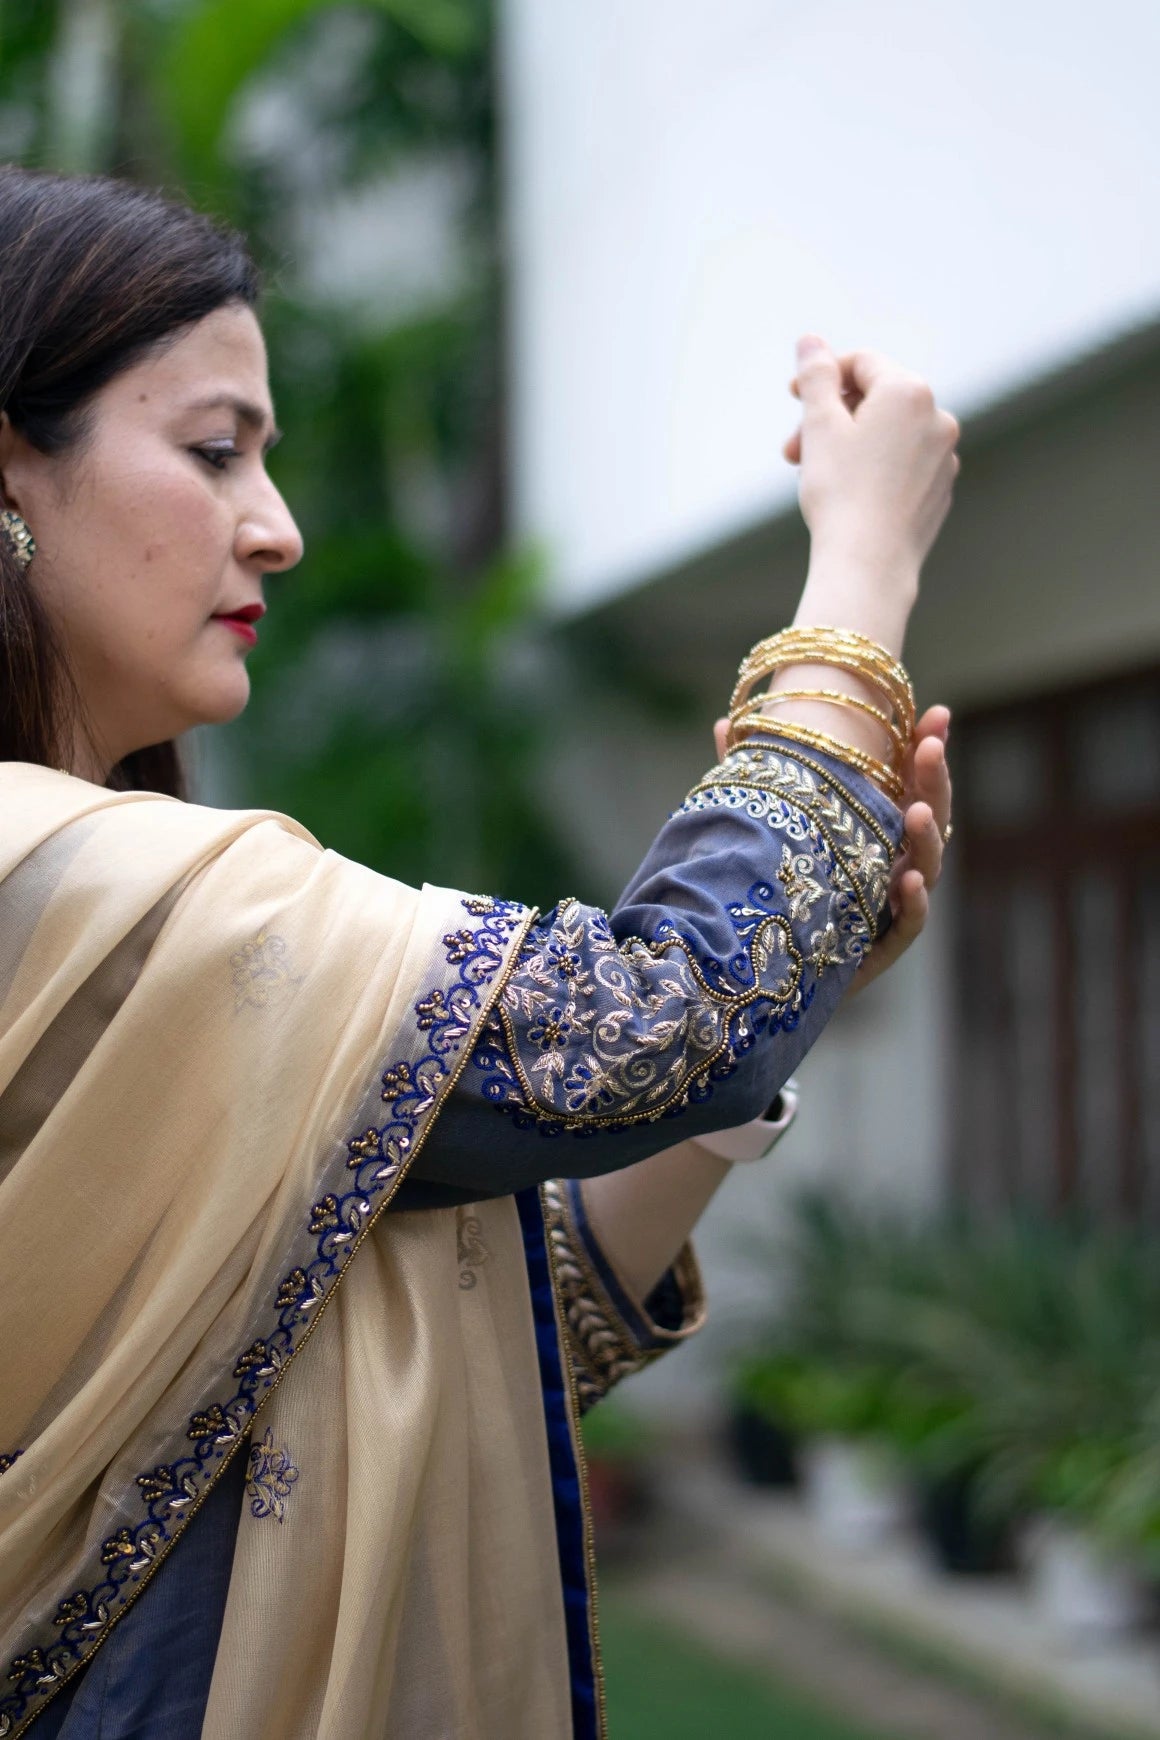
(9,446)
(13,455)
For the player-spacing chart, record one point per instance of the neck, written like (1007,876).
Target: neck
(87,760)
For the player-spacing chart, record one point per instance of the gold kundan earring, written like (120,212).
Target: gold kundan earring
(22,541)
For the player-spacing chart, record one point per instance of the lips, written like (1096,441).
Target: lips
(247,613)
(242,621)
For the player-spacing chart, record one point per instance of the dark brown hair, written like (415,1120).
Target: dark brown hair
(94,273)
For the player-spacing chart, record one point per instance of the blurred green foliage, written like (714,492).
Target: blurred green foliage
(613,1433)
(1022,1355)
(406,687)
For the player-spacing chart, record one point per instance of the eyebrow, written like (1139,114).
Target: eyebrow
(246,412)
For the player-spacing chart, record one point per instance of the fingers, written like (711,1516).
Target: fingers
(911,908)
(924,846)
(919,867)
(950,426)
(819,379)
(931,780)
(935,722)
(933,725)
(858,372)
(868,371)
(864,371)
(857,369)
(850,393)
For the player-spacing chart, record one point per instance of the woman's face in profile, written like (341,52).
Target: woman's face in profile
(158,527)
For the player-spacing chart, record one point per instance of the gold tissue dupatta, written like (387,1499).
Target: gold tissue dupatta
(220,1049)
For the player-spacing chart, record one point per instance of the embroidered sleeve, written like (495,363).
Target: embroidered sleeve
(610,1335)
(725,956)
(686,1009)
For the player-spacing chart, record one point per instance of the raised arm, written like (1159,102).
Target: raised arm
(688,1007)
(642,1216)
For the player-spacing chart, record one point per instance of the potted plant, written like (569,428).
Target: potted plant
(617,1450)
(1048,1332)
(762,1443)
(818,1383)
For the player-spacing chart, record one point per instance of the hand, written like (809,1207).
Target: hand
(877,459)
(926,815)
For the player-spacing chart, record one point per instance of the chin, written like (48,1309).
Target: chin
(221,701)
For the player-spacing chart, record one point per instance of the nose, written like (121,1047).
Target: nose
(268,536)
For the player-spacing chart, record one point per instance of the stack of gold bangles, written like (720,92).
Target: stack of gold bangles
(843,650)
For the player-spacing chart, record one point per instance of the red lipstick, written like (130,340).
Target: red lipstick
(242,621)
(248,634)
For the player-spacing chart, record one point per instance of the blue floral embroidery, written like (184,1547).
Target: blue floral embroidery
(7,1461)
(376,1160)
(270,1477)
(590,1033)
(552,1028)
(636,1031)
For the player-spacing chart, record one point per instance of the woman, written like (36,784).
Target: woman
(236,1497)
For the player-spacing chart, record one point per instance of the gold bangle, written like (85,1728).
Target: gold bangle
(836,648)
(840,698)
(842,647)
(844,638)
(747,722)
(884,777)
(900,699)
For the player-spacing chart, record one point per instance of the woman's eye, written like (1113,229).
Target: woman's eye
(218,457)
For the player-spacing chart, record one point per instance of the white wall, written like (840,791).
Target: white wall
(692,182)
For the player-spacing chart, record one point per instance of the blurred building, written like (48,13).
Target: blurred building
(691,185)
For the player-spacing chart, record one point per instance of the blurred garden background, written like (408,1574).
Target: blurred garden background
(405,679)
(534,276)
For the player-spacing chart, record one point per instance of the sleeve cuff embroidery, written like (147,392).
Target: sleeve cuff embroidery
(610,1334)
(771,785)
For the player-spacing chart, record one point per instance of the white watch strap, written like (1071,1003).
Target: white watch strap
(753,1141)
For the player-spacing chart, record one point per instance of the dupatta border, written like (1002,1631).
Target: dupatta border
(477,961)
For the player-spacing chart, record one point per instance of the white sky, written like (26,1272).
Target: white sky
(975,188)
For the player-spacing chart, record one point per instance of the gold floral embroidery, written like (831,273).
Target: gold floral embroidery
(628,1036)
(796,787)
(802,889)
(827,949)
(271,1475)
(470,1247)
(262,970)
(601,1348)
